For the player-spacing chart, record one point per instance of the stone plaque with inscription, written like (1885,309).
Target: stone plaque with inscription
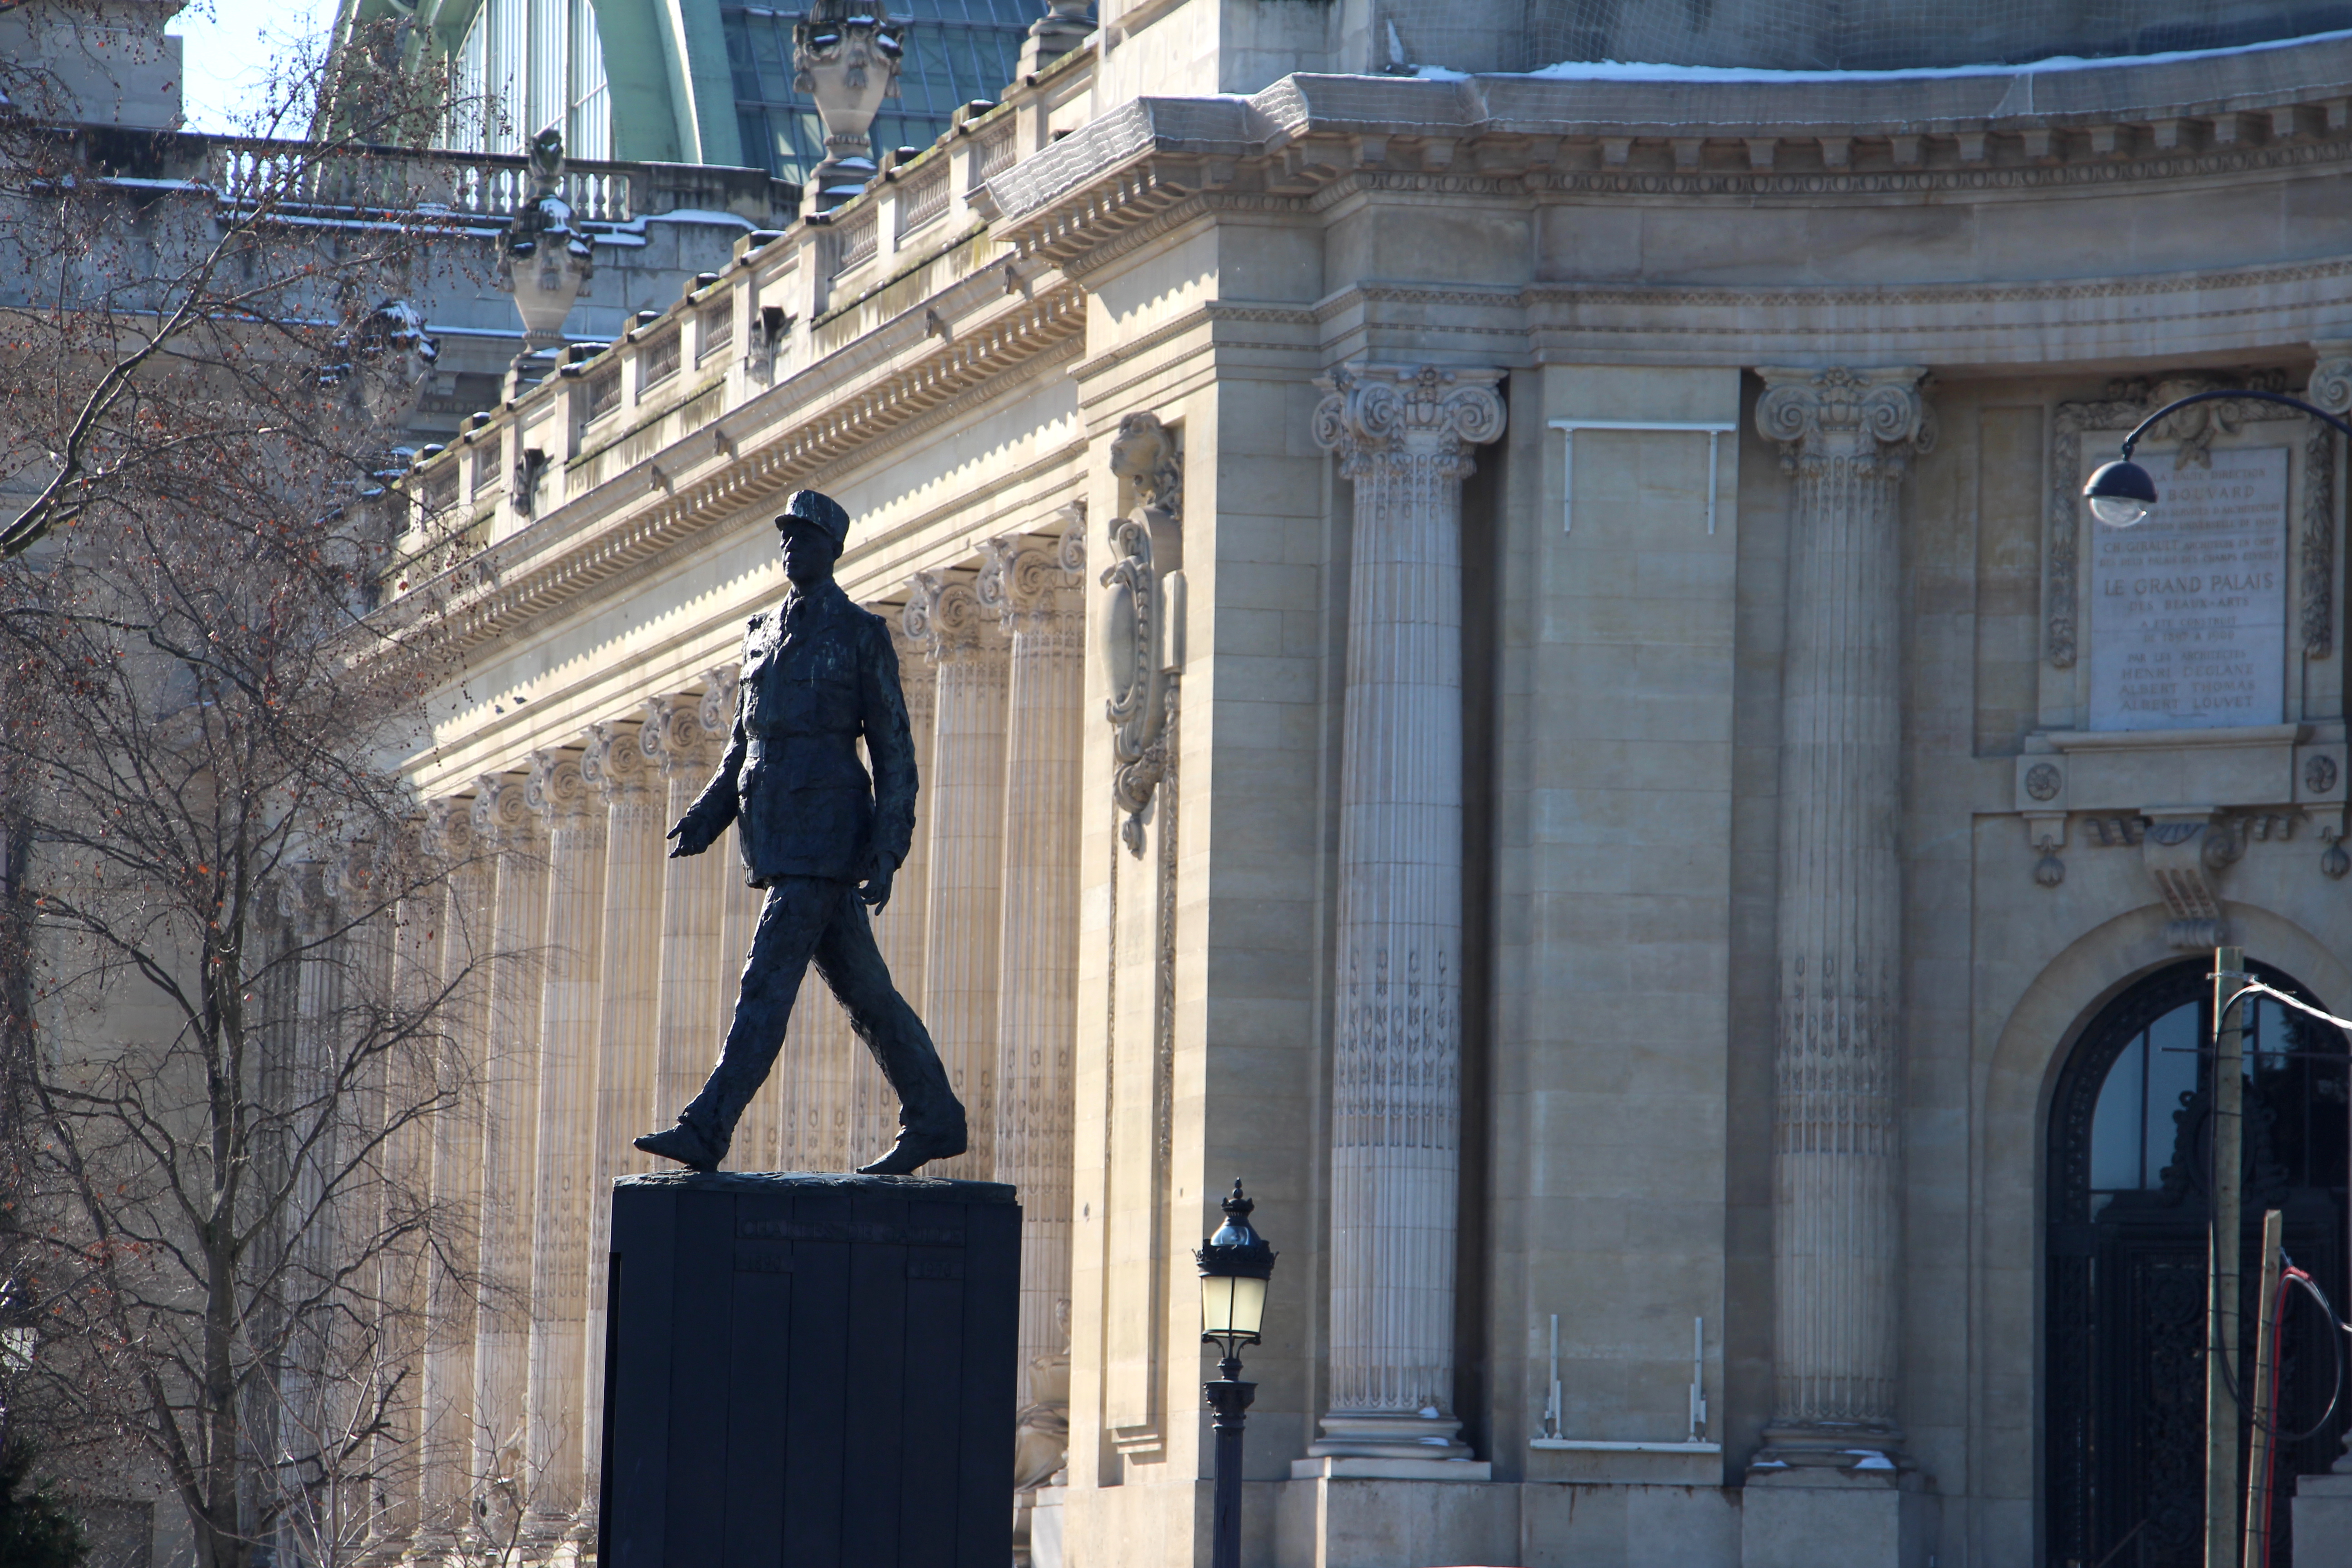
(2189,610)
(810,1372)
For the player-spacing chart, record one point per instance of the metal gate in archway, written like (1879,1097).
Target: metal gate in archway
(2130,1178)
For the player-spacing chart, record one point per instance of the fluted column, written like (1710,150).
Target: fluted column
(629,786)
(1040,605)
(693,969)
(447,1396)
(504,825)
(314,1109)
(967,790)
(1404,438)
(899,928)
(1846,437)
(572,817)
(411,1084)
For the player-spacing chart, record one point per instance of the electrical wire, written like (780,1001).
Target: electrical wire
(2288,1274)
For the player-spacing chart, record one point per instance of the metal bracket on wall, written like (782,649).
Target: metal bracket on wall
(1568,427)
(1550,1436)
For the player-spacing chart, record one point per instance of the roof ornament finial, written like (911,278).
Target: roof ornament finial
(544,260)
(845,54)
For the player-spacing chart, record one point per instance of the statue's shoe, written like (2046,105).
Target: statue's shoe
(681,1144)
(914,1150)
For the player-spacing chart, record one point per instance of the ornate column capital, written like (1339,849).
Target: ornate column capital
(2331,378)
(1854,415)
(448,828)
(1025,585)
(672,735)
(557,791)
(718,706)
(1384,415)
(615,766)
(502,814)
(944,616)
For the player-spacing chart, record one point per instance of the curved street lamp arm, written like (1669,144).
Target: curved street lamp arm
(2180,403)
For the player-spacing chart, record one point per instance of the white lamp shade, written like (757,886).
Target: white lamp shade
(1231,1307)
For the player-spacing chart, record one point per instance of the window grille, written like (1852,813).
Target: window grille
(715,330)
(853,241)
(922,198)
(995,155)
(657,360)
(604,393)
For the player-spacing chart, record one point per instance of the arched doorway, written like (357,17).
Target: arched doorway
(2129,1196)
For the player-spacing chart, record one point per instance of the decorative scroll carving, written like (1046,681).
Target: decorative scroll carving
(2129,401)
(1142,613)
(558,790)
(502,818)
(1073,549)
(2330,388)
(944,616)
(717,709)
(674,738)
(1874,418)
(1025,587)
(614,765)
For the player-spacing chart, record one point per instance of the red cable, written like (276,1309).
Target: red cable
(2270,1449)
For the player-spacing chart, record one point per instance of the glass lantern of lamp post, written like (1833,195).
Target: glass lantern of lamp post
(1235,1264)
(2122,493)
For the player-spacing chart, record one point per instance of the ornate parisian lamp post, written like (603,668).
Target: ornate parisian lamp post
(1234,1266)
(2121,494)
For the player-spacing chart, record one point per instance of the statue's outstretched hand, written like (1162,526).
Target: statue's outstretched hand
(874,887)
(692,836)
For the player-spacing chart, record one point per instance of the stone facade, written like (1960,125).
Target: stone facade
(1581,782)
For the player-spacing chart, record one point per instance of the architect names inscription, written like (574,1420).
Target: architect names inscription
(2189,609)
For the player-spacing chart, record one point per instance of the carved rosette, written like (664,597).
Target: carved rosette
(1847,436)
(1406,437)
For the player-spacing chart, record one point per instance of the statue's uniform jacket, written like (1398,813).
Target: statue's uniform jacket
(818,675)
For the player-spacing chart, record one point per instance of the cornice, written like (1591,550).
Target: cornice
(1212,314)
(1309,142)
(571,552)
(2044,291)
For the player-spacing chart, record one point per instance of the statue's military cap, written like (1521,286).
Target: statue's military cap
(816,507)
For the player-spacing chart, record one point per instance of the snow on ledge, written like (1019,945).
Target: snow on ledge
(1635,70)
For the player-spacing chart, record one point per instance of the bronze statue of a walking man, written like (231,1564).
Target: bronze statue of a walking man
(818,675)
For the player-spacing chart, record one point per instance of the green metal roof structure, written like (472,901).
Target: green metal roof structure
(684,81)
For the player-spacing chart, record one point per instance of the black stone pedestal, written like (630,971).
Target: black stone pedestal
(807,1371)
